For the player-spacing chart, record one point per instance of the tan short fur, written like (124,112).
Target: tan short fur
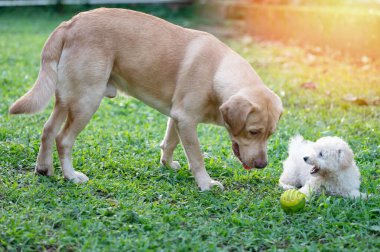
(188,75)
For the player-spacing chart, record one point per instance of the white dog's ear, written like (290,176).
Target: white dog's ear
(345,158)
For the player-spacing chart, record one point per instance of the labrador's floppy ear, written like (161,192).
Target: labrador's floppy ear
(235,112)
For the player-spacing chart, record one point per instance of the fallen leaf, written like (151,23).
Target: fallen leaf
(358,101)
(366,67)
(309,85)
(376,101)
(361,102)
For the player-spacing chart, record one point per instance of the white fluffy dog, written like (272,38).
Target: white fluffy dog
(327,164)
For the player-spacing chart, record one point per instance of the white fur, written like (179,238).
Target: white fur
(337,175)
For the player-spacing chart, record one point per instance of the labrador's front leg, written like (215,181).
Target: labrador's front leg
(187,132)
(168,145)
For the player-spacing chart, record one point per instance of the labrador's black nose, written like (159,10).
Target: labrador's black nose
(305,158)
(261,164)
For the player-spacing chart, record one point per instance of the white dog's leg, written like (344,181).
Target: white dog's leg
(307,189)
(168,146)
(286,186)
(364,196)
(290,175)
(44,165)
(187,131)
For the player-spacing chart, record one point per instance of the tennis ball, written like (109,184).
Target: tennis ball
(292,200)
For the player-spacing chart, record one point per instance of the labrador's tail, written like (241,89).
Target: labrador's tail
(38,97)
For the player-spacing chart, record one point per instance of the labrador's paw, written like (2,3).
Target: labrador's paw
(207,185)
(173,164)
(45,170)
(77,177)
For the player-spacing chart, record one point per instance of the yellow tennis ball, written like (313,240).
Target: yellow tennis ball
(292,200)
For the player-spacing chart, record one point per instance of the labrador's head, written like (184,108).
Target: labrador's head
(250,119)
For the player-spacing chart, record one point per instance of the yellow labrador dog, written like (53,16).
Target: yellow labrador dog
(188,75)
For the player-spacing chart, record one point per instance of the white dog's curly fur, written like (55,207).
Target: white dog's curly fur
(327,164)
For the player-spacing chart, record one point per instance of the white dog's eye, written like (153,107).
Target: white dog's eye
(321,154)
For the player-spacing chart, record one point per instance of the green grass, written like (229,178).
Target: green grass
(131,203)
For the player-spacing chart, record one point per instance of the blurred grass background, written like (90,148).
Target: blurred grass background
(133,204)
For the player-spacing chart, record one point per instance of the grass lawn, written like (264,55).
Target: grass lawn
(131,203)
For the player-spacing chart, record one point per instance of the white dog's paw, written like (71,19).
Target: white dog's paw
(173,164)
(307,191)
(45,170)
(206,185)
(77,177)
(364,196)
(358,195)
(286,187)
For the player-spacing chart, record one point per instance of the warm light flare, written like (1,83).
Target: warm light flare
(352,30)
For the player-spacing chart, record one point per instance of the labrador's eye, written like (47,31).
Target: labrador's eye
(254,132)
(320,154)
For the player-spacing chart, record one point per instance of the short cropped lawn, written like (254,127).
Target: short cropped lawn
(131,203)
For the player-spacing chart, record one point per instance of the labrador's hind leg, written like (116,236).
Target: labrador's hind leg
(44,164)
(79,114)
